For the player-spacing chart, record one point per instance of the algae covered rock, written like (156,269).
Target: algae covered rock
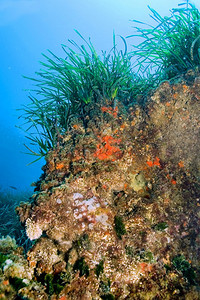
(116,212)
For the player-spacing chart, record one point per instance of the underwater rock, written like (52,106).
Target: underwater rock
(116,214)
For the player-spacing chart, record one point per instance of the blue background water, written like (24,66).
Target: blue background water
(30,27)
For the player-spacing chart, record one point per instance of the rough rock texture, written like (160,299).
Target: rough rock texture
(116,214)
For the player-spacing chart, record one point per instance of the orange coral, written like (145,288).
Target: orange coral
(5,282)
(156,162)
(185,87)
(175,95)
(63,298)
(106,150)
(173,181)
(145,267)
(104,186)
(110,110)
(59,166)
(150,163)
(181,164)
(75,126)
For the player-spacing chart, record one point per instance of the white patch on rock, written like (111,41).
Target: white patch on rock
(102,219)
(8,263)
(77,196)
(33,230)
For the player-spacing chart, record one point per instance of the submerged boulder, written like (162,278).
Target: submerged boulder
(116,213)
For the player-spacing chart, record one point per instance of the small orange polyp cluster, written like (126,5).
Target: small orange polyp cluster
(5,282)
(110,110)
(105,149)
(156,162)
(173,181)
(63,298)
(145,267)
(185,88)
(59,166)
(181,164)
(75,126)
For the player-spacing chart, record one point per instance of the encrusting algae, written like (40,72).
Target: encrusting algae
(116,212)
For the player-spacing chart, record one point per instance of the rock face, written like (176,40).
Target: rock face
(116,213)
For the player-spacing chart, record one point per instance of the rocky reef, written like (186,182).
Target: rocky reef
(116,213)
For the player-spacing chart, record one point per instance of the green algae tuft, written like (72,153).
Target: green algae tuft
(119,226)
(80,265)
